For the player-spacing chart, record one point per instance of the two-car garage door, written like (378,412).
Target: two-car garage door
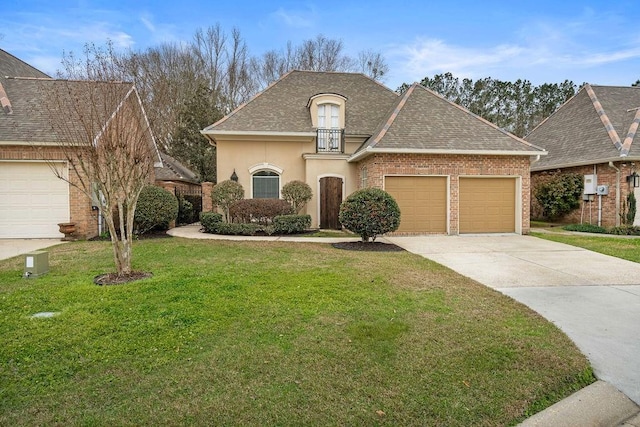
(32,200)
(486,205)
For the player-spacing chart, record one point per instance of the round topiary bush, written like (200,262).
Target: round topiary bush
(297,193)
(156,207)
(225,193)
(369,213)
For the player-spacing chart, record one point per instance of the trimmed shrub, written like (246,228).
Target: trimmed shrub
(297,193)
(210,221)
(225,193)
(628,230)
(369,213)
(560,195)
(261,211)
(585,228)
(291,224)
(237,229)
(185,211)
(156,208)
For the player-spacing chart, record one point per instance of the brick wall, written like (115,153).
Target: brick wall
(454,166)
(588,210)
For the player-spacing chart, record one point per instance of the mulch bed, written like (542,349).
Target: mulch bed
(119,279)
(368,246)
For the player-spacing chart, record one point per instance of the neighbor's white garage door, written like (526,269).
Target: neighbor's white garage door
(32,200)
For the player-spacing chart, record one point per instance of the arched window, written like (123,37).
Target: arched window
(266,185)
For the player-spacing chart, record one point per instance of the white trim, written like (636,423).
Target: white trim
(585,163)
(325,156)
(328,175)
(448,195)
(369,150)
(265,166)
(254,133)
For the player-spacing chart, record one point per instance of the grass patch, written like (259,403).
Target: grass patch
(271,333)
(628,249)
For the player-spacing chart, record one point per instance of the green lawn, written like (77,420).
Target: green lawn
(271,333)
(625,248)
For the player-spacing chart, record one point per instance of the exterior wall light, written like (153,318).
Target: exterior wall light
(234,176)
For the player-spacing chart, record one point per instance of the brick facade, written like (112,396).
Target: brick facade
(453,166)
(612,205)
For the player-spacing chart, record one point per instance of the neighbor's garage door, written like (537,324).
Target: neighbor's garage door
(487,205)
(32,200)
(422,201)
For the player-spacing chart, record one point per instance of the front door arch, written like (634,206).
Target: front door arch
(330,200)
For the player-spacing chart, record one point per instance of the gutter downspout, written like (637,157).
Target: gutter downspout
(617,193)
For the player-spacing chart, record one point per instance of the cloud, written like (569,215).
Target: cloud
(537,50)
(146,21)
(296,18)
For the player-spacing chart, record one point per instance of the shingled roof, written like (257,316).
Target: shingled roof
(10,66)
(173,170)
(29,118)
(282,107)
(599,124)
(424,122)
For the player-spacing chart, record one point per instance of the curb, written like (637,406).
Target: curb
(599,404)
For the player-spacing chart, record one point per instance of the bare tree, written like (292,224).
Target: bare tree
(319,54)
(372,64)
(103,133)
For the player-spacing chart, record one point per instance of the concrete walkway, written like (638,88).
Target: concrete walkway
(593,298)
(14,247)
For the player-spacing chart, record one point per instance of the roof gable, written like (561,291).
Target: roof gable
(598,124)
(10,66)
(424,121)
(283,106)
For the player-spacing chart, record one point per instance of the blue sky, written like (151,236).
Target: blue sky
(542,41)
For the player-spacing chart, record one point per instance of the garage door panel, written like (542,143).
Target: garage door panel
(487,205)
(33,200)
(422,201)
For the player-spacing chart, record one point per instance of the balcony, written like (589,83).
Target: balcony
(330,141)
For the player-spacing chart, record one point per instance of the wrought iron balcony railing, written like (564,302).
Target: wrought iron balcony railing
(330,141)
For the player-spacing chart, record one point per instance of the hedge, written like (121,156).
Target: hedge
(291,224)
(210,221)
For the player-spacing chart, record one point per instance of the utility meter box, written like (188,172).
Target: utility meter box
(602,190)
(590,184)
(36,264)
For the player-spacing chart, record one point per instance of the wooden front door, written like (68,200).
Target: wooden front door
(330,199)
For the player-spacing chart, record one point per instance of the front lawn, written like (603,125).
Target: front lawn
(625,248)
(271,333)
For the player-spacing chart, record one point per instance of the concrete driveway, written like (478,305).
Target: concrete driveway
(14,247)
(593,298)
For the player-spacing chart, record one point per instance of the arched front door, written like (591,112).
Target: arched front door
(330,199)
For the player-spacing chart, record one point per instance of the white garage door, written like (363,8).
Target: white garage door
(32,200)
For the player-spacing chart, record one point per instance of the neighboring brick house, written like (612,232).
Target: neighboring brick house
(592,134)
(32,199)
(450,171)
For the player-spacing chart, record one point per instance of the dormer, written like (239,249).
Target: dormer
(327,112)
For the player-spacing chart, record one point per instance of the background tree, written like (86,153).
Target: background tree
(516,107)
(106,140)
(187,141)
